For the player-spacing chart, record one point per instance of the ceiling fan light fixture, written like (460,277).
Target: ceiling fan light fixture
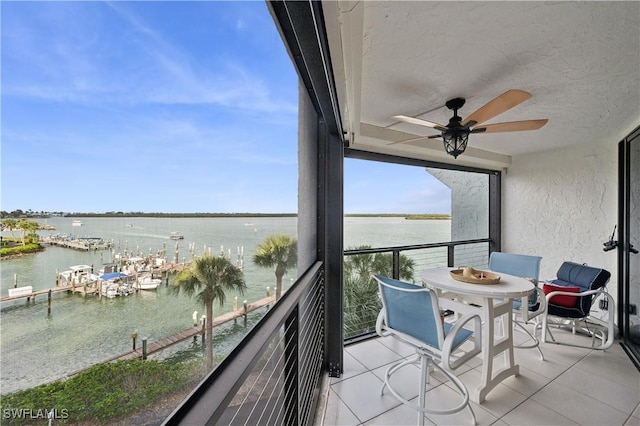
(455,142)
(456,134)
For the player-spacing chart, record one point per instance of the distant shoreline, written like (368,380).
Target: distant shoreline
(409,216)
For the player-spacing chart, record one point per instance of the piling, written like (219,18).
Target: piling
(48,302)
(234,307)
(144,348)
(245,313)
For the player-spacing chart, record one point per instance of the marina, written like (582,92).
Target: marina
(37,343)
(108,282)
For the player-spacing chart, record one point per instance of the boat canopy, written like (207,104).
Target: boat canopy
(112,275)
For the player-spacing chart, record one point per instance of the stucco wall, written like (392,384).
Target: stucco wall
(562,205)
(469,203)
(469,212)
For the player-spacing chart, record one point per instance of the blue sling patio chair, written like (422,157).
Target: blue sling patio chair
(411,314)
(528,307)
(570,304)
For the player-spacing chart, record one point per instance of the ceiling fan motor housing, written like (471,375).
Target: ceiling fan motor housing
(456,137)
(455,103)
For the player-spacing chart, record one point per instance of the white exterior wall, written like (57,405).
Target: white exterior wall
(562,205)
(469,211)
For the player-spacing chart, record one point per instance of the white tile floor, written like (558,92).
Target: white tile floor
(572,386)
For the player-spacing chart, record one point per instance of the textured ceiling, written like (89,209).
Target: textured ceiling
(579,60)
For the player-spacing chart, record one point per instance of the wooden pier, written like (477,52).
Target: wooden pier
(79,243)
(33,294)
(48,291)
(165,342)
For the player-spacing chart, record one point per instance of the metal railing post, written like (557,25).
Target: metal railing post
(396,264)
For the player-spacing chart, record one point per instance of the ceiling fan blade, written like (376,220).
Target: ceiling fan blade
(409,140)
(502,103)
(511,126)
(420,122)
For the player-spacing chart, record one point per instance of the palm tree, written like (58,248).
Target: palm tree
(209,278)
(26,227)
(280,251)
(361,302)
(9,224)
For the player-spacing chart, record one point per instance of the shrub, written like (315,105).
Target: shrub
(22,249)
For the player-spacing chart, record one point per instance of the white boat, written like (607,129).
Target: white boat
(78,275)
(76,222)
(148,283)
(109,290)
(115,284)
(176,235)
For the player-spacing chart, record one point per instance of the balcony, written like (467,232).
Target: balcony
(571,386)
(555,199)
(277,376)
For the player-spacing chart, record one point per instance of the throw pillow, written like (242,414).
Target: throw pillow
(562,300)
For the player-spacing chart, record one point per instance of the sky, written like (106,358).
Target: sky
(164,107)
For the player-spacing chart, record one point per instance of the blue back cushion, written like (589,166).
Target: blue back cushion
(585,277)
(410,312)
(520,265)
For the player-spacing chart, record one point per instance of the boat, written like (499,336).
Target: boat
(146,282)
(78,275)
(115,284)
(176,236)
(76,222)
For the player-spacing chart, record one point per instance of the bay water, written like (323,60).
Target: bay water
(36,347)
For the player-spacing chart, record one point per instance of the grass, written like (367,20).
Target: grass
(101,393)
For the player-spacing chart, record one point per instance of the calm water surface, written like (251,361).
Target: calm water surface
(37,348)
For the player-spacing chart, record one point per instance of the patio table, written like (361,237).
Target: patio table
(496,303)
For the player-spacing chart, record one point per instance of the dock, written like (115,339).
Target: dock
(191,332)
(76,243)
(167,341)
(168,268)
(33,294)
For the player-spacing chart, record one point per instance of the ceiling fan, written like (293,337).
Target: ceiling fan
(456,134)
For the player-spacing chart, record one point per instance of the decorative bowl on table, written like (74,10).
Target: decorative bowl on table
(469,275)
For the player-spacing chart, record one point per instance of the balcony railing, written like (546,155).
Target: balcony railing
(361,301)
(272,376)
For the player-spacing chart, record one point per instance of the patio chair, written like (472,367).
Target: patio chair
(411,314)
(529,307)
(570,304)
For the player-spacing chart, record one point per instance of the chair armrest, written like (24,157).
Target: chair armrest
(542,305)
(447,348)
(569,293)
(379,325)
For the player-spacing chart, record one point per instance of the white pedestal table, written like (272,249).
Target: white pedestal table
(496,302)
